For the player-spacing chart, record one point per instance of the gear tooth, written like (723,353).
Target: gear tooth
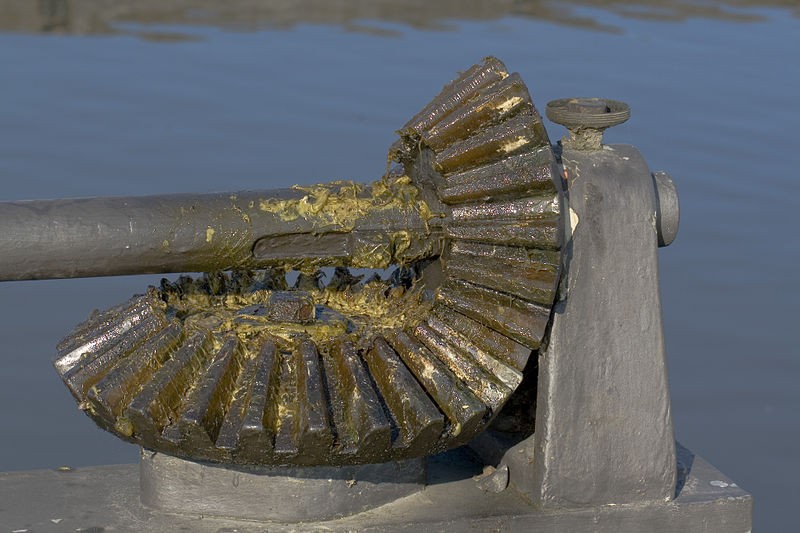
(160,401)
(488,107)
(99,355)
(417,418)
(342,279)
(509,178)
(184,285)
(271,279)
(206,406)
(313,432)
(496,354)
(166,286)
(213,283)
(111,395)
(469,82)
(464,411)
(99,328)
(529,274)
(362,426)
(493,343)
(523,321)
(257,433)
(240,280)
(540,233)
(480,382)
(309,282)
(517,135)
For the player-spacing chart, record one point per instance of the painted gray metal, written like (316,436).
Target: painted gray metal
(84,237)
(603,421)
(279,494)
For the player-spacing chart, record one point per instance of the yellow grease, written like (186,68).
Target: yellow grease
(507,105)
(510,146)
(343,203)
(373,253)
(372,310)
(365,312)
(209,234)
(124,426)
(401,241)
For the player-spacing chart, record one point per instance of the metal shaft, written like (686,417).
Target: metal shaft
(302,227)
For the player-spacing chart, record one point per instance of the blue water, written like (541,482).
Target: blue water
(714,102)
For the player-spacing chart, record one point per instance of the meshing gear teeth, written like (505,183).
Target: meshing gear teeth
(350,368)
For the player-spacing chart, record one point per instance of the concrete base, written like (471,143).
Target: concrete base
(106,498)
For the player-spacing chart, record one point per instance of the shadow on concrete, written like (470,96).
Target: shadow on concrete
(685,459)
(454,465)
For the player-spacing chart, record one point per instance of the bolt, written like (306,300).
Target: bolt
(291,306)
(586,118)
(284,306)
